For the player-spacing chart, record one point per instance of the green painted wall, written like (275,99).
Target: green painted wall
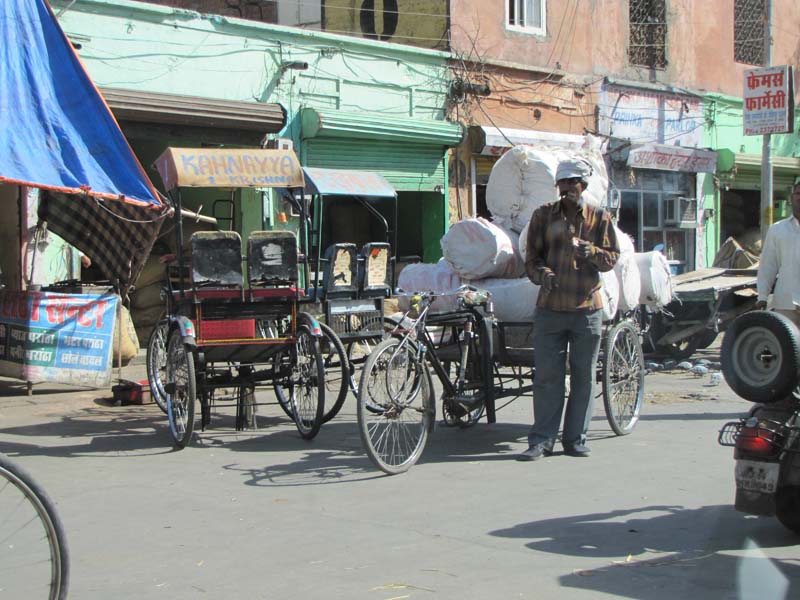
(723,130)
(147,47)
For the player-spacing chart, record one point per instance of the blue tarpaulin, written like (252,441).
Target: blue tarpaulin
(56,131)
(58,134)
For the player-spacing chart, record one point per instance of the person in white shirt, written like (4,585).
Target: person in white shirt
(780,259)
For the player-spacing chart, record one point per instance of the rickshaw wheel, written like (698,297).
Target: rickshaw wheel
(307,384)
(395,406)
(623,377)
(157,363)
(337,370)
(180,376)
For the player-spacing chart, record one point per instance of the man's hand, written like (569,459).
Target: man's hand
(761,305)
(583,249)
(549,282)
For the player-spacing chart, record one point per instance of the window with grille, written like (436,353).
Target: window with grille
(749,31)
(648,33)
(529,15)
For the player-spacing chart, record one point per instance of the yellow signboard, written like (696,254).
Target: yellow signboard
(227,168)
(415,22)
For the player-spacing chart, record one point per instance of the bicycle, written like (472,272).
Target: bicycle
(34,560)
(396,408)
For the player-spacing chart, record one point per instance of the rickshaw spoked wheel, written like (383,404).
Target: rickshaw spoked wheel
(623,377)
(157,363)
(182,386)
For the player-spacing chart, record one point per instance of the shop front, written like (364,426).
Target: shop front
(410,153)
(659,165)
(658,198)
(740,194)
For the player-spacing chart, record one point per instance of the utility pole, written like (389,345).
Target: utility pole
(766,149)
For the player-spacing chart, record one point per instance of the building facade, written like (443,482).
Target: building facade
(175,76)
(661,82)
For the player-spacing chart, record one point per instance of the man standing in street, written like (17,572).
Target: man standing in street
(780,259)
(569,243)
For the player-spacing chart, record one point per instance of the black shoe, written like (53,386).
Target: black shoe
(579,450)
(534,453)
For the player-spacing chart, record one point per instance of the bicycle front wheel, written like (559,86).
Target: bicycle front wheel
(157,363)
(34,562)
(395,406)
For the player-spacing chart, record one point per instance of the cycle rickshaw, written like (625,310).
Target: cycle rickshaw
(223,332)
(477,360)
(350,281)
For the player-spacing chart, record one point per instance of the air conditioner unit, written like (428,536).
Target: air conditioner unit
(681,212)
(280,144)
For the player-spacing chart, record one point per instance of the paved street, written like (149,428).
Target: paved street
(268,515)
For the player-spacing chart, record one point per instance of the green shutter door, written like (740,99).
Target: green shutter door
(407,166)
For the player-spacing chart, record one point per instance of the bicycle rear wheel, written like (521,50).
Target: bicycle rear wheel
(395,406)
(34,561)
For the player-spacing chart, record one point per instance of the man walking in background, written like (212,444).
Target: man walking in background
(569,243)
(780,259)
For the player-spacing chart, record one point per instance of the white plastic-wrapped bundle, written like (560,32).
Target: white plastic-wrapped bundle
(514,299)
(425,277)
(629,280)
(656,278)
(609,291)
(524,179)
(627,272)
(597,191)
(515,238)
(477,249)
(523,244)
(625,242)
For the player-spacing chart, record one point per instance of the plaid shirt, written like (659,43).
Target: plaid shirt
(550,250)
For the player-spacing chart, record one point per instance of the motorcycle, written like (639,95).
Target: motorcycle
(761,362)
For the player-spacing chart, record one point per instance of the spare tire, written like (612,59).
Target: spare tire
(761,356)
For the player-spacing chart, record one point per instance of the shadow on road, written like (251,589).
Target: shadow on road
(728,563)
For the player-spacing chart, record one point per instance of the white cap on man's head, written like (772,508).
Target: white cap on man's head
(567,169)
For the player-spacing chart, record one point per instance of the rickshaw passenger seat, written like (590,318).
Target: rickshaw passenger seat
(272,263)
(339,276)
(374,270)
(216,263)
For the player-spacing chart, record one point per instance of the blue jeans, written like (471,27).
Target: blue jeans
(553,332)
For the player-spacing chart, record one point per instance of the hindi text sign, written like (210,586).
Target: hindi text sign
(59,338)
(768,101)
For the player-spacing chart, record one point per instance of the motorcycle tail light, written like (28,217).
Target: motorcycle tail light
(757,440)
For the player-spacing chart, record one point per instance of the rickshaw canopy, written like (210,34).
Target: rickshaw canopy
(229,168)
(336,182)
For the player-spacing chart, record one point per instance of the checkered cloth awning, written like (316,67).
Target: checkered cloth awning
(117,235)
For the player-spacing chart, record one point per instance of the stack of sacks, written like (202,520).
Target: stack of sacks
(656,279)
(423,277)
(524,179)
(627,272)
(477,249)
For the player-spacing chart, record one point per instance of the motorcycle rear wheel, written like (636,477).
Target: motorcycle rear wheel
(787,507)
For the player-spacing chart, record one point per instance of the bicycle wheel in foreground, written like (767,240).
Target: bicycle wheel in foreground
(623,377)
(395,406)
(34,562)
